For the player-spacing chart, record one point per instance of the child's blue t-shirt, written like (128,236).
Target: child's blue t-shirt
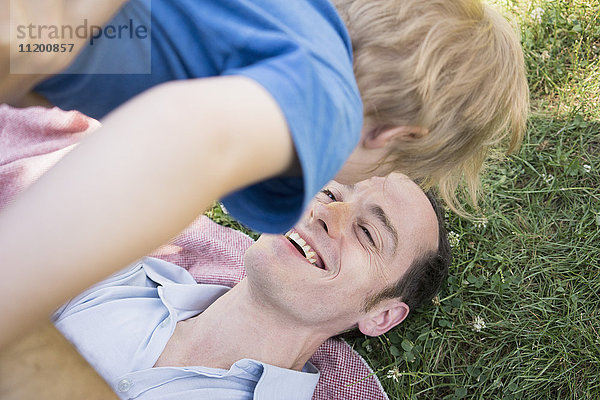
(299,50)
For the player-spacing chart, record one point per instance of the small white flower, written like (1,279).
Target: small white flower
(482,223)
(587,167)
(453,238)
(548,178)
(545,55)
(537,14)
(394,374)
(368,348)
(223,208)
(478,324)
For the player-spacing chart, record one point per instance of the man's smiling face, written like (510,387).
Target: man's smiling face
(352,242)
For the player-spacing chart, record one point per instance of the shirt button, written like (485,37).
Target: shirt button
(124,385)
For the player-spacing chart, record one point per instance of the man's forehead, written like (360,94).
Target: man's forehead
(400,205)
(389,193)
(395,201)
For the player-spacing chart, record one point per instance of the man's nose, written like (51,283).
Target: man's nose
(332,217)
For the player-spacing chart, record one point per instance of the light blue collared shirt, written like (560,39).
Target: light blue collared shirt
(122,325)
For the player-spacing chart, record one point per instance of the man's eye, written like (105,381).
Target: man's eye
(368,234)
(328,193)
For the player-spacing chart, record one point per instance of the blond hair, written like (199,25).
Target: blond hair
(454,67)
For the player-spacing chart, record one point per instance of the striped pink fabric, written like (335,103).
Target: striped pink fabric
(34,139)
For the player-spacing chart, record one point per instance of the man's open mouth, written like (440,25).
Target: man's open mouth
(304,249)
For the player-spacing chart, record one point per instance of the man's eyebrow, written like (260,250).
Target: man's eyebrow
(349,187)
(378,212)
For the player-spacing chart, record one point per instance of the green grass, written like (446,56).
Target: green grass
(528,278)
(531,274)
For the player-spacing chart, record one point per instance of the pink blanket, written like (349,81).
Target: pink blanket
(34,139)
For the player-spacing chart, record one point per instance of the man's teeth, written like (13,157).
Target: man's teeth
(308,253)
(298,239)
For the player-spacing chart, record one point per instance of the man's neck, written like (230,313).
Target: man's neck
(235,327)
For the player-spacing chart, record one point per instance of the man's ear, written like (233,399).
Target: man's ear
(379,138)
(383,317)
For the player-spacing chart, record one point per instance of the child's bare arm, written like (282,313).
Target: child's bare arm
(29,68)
(155,165)
(43,365)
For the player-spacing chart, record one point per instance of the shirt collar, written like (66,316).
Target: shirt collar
(272,382)
(282,383)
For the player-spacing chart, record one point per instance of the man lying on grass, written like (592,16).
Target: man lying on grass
(363,256)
